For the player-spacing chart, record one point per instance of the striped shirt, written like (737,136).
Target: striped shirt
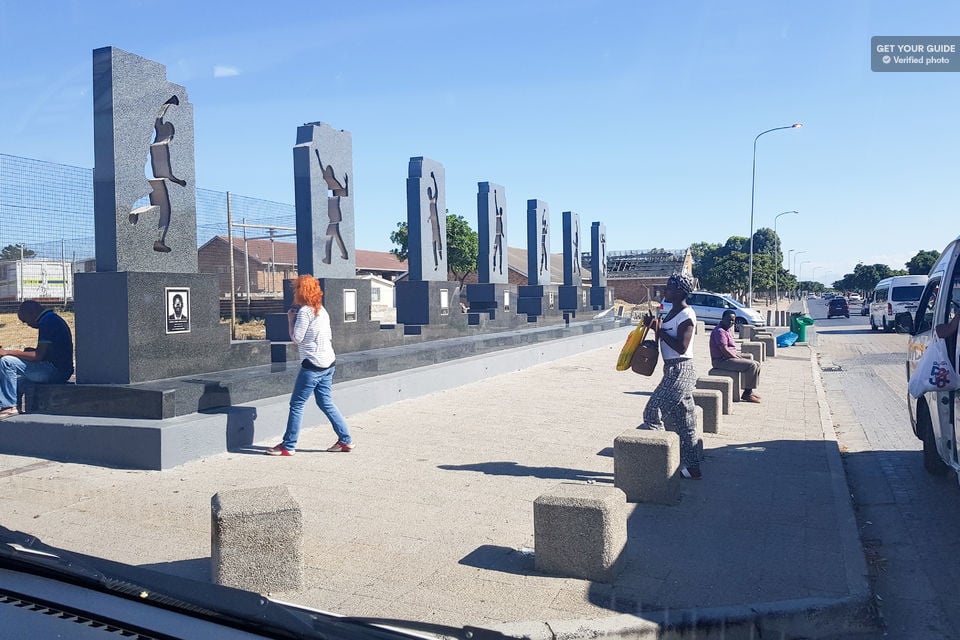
(313,337)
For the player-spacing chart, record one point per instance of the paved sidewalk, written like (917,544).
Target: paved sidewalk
(431,517)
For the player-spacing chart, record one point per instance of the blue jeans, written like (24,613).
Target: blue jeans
(12,369)
(318,383)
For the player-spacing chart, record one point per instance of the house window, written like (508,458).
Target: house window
(374,294)
(444,302)
(349,305)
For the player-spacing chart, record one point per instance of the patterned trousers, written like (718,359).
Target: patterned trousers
(671,406)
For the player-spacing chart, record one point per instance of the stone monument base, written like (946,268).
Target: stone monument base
(125,333)
(428,302)
(110,425)
(538,301)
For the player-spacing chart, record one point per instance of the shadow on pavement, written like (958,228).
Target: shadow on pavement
(845,330)
(504,559)
(515,469)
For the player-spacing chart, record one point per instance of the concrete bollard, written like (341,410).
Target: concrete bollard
(734,377)
(723,384)
(711,401)
(645,465)
(746,331)
(753,348)
(580,531)
(257,539)
(769,342)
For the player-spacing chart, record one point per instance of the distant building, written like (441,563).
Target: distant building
(270,262)
(517,268)
(640,276)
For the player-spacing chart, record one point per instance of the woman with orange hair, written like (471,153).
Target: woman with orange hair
(310,331)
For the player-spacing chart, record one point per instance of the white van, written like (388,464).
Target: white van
(894,295)
(934,416)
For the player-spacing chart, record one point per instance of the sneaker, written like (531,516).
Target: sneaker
(342,446)
(9,412)
(751,398)
(279,451)
(691,473)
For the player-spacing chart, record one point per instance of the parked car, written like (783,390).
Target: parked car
(838,307)
(933,415)
(710,306)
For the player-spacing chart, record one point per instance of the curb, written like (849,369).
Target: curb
(801,618)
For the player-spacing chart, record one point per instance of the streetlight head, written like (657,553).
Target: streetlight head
(796,125)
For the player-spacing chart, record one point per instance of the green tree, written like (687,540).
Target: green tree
(462,246)
(12,252)
(921,263)
(399,237)
(865,277)
(726,267)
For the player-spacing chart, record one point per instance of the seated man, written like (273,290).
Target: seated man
(724,355)
(51,361)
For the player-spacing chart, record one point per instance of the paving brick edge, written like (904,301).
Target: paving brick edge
(799,618)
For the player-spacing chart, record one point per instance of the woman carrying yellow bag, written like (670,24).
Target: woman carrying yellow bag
(671,404)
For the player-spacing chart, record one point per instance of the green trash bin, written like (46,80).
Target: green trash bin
(793,322)
(803,322)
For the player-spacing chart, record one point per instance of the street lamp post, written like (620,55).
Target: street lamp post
(794,270)
(800,272)
(776,266)
(753,191)
(796,253)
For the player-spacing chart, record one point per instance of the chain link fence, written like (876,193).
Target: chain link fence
(47,226)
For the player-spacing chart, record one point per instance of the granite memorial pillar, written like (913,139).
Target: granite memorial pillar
(146,313)
(570,298)
(598,266)
(323,198)
(426,297)
(538,297)
(492,291)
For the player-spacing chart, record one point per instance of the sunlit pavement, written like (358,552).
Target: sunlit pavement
(431,516)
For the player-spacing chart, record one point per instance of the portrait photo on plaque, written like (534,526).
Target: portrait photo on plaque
(178,309)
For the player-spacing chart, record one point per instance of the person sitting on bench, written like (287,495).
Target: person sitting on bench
(724,355)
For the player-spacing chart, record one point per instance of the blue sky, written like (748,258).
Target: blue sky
(639,114)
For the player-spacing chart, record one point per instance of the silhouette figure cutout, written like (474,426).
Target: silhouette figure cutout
(544,232)
(162,170)
(603,254)
(334,212)
(434,196)
(498,236)
(576,253)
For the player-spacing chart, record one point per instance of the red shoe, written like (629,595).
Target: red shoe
(341,446)
(279,451)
